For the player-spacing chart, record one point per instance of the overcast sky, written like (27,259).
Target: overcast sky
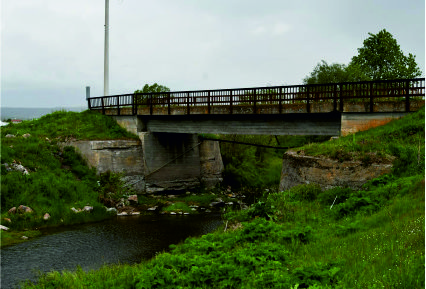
(52,49)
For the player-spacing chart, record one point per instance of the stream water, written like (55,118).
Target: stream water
(119,240)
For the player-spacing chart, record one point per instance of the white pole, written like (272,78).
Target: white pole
(106,51)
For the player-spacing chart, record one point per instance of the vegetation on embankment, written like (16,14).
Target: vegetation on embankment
(302,238)
(58,178)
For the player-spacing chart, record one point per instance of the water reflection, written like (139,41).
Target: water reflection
(120,240)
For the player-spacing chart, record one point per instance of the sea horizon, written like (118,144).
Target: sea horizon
(28,113)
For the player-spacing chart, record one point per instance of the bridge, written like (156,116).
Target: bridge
(323,109)
(168,122)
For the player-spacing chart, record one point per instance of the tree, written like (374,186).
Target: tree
(142,97)
(382,58)
(333,73)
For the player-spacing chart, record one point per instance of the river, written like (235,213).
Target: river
(118,240)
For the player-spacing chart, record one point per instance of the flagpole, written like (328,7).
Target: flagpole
(106,50)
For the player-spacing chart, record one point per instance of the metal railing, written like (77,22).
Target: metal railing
(260,100)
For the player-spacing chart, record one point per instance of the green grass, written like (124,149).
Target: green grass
(58,177)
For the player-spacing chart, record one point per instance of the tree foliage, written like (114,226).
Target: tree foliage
(380,58)
(142,96)
(333,73)
(156,88)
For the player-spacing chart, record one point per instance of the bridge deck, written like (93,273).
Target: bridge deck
(401,95)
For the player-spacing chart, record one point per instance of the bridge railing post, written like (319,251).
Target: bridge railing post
(254,100)
(151,109)
(407,96)
(208,102)
(342,86)
(335,98)
(308,107)
(168,103)
(280,105)
(371,98)
(187,103)
(133,105)
(230,101)
(103,106)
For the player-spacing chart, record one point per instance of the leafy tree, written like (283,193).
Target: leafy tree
(382,58)
(153,88)
(379,58)
(333,73)
(142,98)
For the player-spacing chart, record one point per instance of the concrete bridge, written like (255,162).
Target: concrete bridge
(168,123)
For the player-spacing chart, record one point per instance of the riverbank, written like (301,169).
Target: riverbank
(304,237)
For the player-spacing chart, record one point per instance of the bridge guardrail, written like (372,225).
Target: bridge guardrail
(267,100)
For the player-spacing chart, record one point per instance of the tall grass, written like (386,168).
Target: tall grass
(58,177)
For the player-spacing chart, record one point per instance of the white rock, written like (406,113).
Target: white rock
(3,228)
(46,216)
(122,214)
(75,210)
(87,208)
(24,237)
(136,213)
(172,213)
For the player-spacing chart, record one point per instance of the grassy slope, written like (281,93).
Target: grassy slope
(304,238)
(59,178)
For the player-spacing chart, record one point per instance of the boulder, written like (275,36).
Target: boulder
(24,238)
(3,228)
(27,135)
(133,199)
(12,210)
(87,209)
(24,209)
(10,136)
(75,210)
(7,219)
(46,217)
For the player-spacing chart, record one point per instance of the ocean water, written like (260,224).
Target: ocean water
(26,113)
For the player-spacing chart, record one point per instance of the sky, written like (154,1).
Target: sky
(52,49)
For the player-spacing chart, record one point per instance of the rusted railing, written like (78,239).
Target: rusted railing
(370,95)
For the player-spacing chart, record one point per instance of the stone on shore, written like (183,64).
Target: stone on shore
(24,209)
(3,228)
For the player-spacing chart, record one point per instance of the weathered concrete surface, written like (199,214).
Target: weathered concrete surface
(171,161)
(327,173)
(354,122)
(120,156)
(259,124)
(158,162)
(211,163)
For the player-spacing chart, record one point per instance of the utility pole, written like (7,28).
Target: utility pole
(106,51)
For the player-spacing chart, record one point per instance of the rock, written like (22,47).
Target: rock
(10,136)
(122,214)
(172,213)
(193,209)
(46,217)
(24,209)
(328,173)
(7,219)
(217,204)
(208,211)
(186,213)
(229,203)
(87,209)
(136,213)
(152,208)
(3,228)
(24,237)
(75,210)
(27,135)
(133,198)
(111,210)
(12,210)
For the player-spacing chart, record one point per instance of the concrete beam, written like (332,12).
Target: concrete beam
(260,124)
